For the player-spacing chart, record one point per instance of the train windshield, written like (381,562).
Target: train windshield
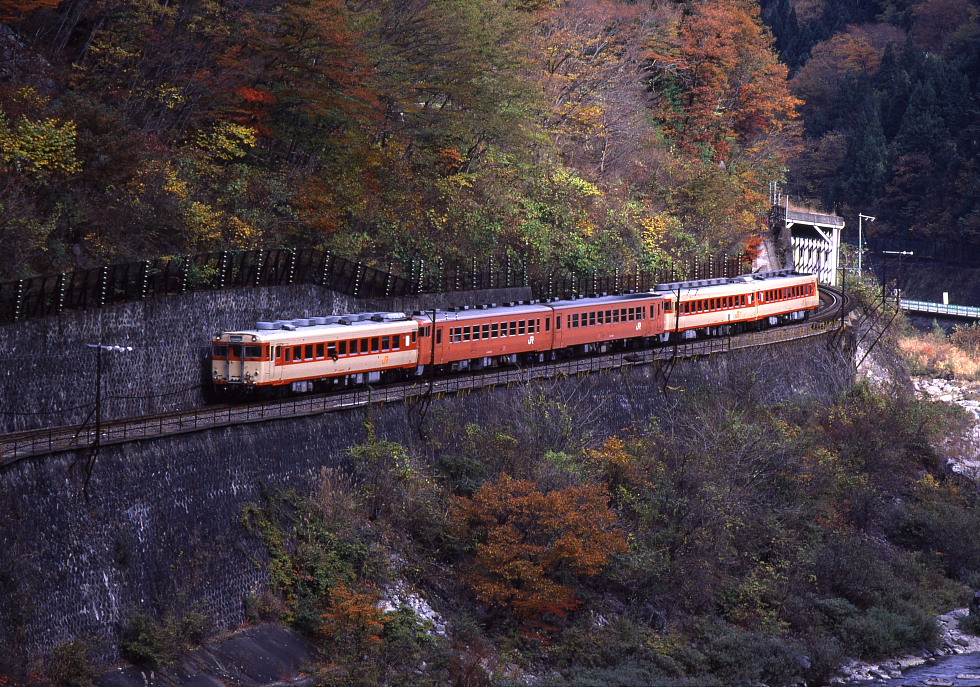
(219,351)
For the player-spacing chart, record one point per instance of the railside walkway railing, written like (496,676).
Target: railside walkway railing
(14,447)
(964,311)
(44,296)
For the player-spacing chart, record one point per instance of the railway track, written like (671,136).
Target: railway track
(21,445)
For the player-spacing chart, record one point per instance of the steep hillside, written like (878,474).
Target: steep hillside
(591,133)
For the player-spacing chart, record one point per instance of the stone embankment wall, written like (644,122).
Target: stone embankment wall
(160,527)
(48,374)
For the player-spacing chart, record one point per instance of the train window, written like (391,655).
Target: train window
(319,350)
(512,326)
(438,336)
(385,343)
(297,353)
(278,355)
(494,330)
(574,321)
(466,333)
(342,348)
(375,344)
(253,352)
(486,331)
(547,324)
(308,352)
(331,350)
(396,342)
(615,314)
(455,334)
(219,351)
(287,355)
(520,328)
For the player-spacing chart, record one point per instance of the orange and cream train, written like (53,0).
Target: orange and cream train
(320,353)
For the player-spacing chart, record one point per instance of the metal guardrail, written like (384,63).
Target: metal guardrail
(14,447)
(964,311)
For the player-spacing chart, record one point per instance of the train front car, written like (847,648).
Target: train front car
(314,354)
(721,307)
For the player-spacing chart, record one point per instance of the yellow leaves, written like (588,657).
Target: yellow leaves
(40,148)
(205,223)
(657,229)
(242,234)
(590,118)
(174,184)
(227,141)
(575,183)
(170,96)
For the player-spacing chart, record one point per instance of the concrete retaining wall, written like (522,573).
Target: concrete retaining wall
(48,374)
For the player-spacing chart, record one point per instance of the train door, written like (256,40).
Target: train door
(233,372)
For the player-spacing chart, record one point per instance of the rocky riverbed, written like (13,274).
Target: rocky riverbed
(952,641)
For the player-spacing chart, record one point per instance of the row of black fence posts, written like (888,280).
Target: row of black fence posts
(44,296)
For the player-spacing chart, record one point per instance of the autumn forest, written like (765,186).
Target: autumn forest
(587,134)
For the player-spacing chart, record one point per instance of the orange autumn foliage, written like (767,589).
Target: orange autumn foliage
(721,82)
(353,618)
(529,542)
(15,10)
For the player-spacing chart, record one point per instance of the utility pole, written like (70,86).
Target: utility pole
(92,452)
(861,238)
(884,281)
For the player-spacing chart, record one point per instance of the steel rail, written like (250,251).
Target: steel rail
(20,445)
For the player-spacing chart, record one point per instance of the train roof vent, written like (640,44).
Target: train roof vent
(388,316)
(346,319)
(318,320)
(332,319)
(301,322)
(492,305)
(289,326)
(265,326)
